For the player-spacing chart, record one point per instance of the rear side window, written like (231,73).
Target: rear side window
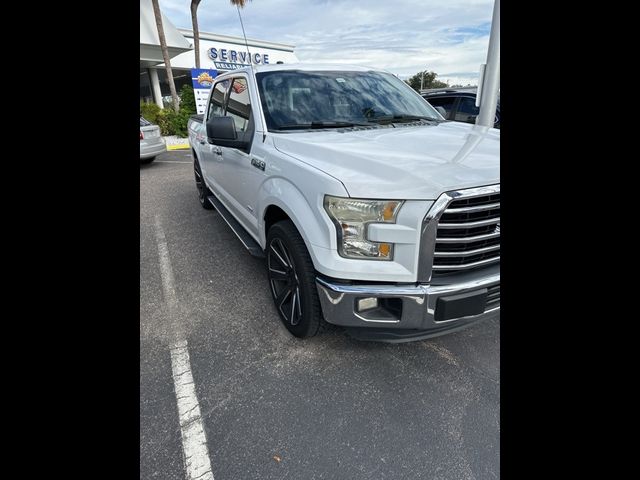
(467,110)
(144,122)
(444,102)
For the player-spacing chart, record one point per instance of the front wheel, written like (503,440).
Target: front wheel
(292,281)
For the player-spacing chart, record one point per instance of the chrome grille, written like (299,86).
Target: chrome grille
(468,234)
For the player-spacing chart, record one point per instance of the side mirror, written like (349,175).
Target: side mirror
(222,131)
(442,111)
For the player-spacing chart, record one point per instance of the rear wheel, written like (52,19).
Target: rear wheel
(203,190)
(292,281)
(147,160)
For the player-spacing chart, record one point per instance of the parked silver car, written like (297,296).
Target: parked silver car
(151,142)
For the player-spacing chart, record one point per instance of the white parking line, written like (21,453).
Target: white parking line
(171,161)
(194,440)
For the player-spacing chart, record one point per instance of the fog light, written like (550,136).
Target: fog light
(367,303)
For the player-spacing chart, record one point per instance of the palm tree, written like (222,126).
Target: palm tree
(196,30)
(196,38)
(165,55)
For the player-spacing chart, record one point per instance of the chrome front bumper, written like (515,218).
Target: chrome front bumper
(408,312)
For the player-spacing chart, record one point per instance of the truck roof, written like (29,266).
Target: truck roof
(307,67)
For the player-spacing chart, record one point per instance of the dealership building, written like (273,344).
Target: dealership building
(217,52)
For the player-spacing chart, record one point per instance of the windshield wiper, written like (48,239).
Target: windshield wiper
(314,125)
(402,117)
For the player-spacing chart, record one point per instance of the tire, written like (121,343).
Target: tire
(292,280)
(147,160)
(201,187)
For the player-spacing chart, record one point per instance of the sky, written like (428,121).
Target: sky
(449,37)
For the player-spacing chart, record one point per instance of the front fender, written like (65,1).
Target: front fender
(305,211)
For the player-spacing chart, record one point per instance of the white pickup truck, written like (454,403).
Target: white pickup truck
(373,212)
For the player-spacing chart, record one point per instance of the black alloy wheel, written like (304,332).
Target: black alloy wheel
(292,279)
(285,285)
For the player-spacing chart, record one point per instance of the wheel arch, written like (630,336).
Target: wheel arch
(273,214)
(281,200)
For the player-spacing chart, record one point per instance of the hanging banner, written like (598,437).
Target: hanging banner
(202,80)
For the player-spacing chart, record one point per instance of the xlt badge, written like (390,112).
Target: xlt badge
(258,163)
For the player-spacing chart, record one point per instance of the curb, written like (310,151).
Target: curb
(174,142)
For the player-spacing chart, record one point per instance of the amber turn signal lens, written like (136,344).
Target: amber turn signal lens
(384,249)
(389,210)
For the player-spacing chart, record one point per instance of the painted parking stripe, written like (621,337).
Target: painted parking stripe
(171,161)
(194,440)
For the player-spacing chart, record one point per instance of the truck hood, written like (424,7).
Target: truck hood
(407,163)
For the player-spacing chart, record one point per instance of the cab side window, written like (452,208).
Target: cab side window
(216,104)
(239,106)
(444,102)
(467,110)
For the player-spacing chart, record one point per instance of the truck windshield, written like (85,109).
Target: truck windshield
(295,99)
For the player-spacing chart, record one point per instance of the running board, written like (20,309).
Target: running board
(246,239)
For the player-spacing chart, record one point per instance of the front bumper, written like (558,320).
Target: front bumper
(408,312)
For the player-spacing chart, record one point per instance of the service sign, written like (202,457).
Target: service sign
(202,80)
(234,59)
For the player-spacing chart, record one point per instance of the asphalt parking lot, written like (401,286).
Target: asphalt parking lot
(275,407)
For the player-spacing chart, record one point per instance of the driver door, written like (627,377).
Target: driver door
(236,169)
(212,154)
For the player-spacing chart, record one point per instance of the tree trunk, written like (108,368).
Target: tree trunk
(165,55)
(196,32)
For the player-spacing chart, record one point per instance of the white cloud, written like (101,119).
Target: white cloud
(403,36)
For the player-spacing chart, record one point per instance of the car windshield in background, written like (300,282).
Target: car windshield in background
(330,99)
(144,122)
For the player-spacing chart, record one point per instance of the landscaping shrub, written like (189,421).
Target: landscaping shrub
(177,122)
(187,99)
(170,122)
(150,111)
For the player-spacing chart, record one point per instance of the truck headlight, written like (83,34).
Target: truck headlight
(352,216)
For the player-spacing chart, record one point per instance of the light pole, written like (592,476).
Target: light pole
(490,80)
